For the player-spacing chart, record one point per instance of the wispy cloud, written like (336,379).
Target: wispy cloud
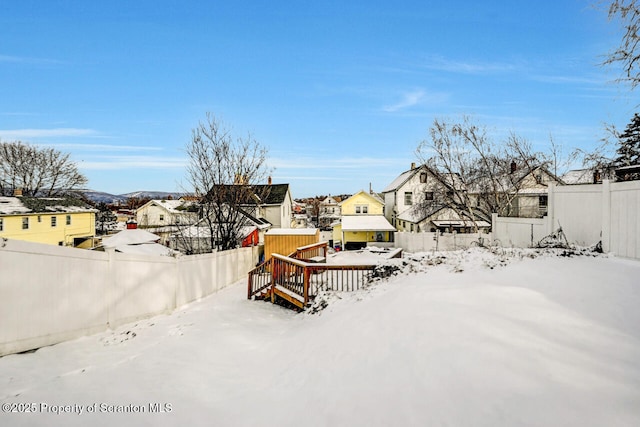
(408,100)
(573,79)
(468,67)
(46,133)
(308,163)
(104,147)
(133,162)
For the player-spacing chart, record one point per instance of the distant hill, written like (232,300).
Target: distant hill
(157,195)
(102,197)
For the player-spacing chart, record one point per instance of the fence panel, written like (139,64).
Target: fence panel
(75,292)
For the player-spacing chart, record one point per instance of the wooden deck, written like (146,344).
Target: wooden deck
(297,280)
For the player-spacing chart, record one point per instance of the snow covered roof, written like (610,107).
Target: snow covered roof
(137,242)
(401,179)
(578,176)
(292,231)
(169,205)
(416,214)
(145,249)
(130,237)
(22,205)
(366,223)
(12,205)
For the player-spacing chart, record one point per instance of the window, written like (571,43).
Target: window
(68,219)
(54,221)
(161,217)
(1,224)
(39,218)
(25,223)
(423,177)
(542,201)
(408,198)
(428,196)
(362,209)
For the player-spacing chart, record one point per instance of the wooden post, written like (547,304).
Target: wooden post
(274,268)
(307,274)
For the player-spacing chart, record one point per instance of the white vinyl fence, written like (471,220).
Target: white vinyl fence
(588,214)
(49,294)
(427,241)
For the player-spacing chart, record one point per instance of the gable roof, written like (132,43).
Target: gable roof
(402,178)
(373,196)
(446,179)
(170,206)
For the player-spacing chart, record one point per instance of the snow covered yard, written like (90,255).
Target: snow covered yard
(457,339)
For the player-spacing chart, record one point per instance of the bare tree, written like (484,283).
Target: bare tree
(627,54)
(600,159)
(225,171)
(476,176)
(37,171)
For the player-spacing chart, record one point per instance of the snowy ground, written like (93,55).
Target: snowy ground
(454,339)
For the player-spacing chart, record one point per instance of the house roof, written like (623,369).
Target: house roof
(447,179)
(136,236)
(415,214)
(401,179)
(366,223)
(198,231)
(292,231)
(145,249)
(170,206)
(22,205)
(274,194)
(373,196)
(12,205)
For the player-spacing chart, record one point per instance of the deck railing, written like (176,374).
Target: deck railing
(300,281)
(259,279)
(310,251)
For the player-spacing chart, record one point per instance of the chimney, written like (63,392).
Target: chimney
(370,189)
(413,165)
(596,176)
(17,192)
(513,166)
(269,180)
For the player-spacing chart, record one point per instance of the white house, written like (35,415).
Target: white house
(160,213)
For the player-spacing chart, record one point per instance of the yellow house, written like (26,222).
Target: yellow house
(53,221)
(362,222)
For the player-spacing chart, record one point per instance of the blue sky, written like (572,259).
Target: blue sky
(341,93)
